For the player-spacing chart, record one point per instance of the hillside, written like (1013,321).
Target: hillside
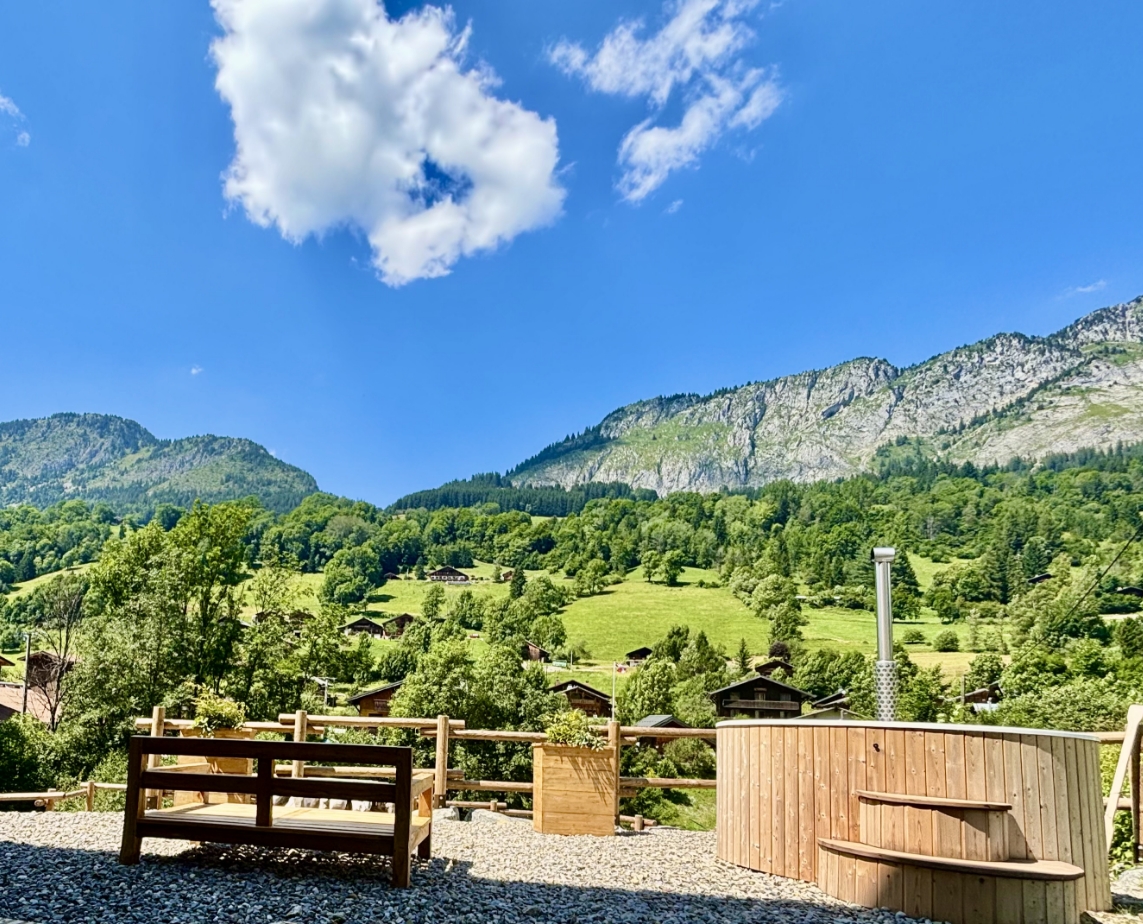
(97,457)
(1010,395)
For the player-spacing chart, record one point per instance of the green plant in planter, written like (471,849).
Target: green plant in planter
(570,728)
(213,713)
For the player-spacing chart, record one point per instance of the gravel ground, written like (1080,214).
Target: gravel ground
(62,867)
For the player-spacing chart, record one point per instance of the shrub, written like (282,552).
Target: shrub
(946,641)
(913,637)
(571,729)
(983,670)
(24,756)
(212,713)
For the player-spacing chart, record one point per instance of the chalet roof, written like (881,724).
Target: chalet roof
(840,699)
(643,652)
(840,713)
(360,620)
(448,569)
(403,617)
(539,648)
(375,690)
(750,681)
(4,662)
(1040,578)
(1130,591)
(12,701)
(661,721)
(773,664)
(568,684)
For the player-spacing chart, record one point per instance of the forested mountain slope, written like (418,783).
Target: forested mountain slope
(98,457)
(1010,395)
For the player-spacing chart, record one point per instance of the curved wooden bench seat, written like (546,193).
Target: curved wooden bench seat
(1043,870)
(935,802)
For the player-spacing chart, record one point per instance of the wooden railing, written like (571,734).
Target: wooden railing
(47,800)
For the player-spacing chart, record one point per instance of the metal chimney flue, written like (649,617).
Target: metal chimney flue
(885,669)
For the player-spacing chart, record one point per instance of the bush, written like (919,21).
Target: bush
(25,751)
(571,729)
(913,637)
(212,713)
(946,641)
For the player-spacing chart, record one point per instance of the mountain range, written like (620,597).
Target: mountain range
(98,457)
(1008,396)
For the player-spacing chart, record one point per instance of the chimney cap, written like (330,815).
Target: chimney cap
(883,554)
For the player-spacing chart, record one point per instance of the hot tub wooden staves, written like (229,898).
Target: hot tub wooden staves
(958,823)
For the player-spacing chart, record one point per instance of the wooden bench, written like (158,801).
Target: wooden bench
(262,823)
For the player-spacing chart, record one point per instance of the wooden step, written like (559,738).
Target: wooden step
(938,802)
(1044,870)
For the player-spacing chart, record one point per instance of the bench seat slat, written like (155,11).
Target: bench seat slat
(1048,870)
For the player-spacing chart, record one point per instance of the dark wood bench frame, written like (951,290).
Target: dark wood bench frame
(397,841)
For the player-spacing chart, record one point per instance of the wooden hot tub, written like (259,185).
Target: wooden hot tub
(959,823)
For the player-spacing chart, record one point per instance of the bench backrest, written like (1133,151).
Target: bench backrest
(264,785)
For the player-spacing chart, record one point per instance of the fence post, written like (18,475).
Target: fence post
(300,721)
(440,778)
(158,726)
(90,795)
(1135,800)
(613,742)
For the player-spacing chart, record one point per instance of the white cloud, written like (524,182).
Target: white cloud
(1088,289)
(698,54)
(344,117)
(10,109)
(195,370)
(674,207)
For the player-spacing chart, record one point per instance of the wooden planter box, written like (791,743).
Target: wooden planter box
(240,765)
(574,790)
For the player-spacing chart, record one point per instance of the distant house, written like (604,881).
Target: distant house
(1129,591)
(507,575)
(364,625)
(448,575)
(759,698)
(652,722)
(530,651)
(584,698)
(768,667)
(639,655)
(376,701)
(4,662)
(985,699)
(1040,578)
(44,668)
(392,576)
(12,702)
(395,627)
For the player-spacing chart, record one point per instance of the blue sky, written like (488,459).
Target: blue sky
(416,271)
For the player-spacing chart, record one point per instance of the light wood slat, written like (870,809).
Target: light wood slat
(1028,870)
(754,780)
(918,829)
(821,794)
(778,802)
(792,835)
(807,843)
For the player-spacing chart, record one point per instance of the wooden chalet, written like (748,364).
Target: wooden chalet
(396,626)
(364,625)
(651,722)
(4,662)
(392,576)
(1129,591)
(44,668)
(530,651)
(768,667)
(375,701)
(1040,578)
(759,698)
(587,700)
(639,655)
(507,575)
(449,575)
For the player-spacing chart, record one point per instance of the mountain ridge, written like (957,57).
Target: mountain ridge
(102,457)
(1007,395)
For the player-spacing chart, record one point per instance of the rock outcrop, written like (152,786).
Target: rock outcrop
(1010,395)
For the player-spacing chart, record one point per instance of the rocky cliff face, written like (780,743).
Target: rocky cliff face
(1009,395)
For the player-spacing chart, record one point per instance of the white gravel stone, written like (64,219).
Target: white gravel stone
(62,867)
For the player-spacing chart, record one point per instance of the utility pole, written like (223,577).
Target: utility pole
(27,668)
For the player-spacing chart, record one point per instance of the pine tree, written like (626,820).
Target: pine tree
(519,581)
(743,658)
